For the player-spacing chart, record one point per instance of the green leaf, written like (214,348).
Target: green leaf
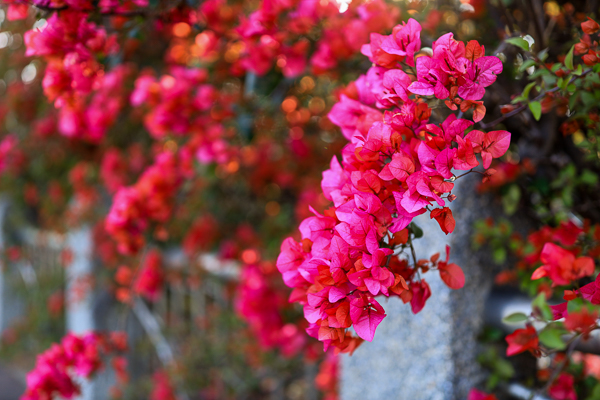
(595,392)
(594,78)
(589,178)
(416,230)
(514,318)
(510,200)
(578,71)
(574,305)
(542,55)
(569,58)
(528,89)
(504,368)
(573,100)
(543,72)
(536,109)
(526,64)
(552,337)
(492,382)
(499,255)
(519,42)
(588,98)
(549,79)
(539,304)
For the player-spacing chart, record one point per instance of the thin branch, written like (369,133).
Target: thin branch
(412,250)
(538,17)
(559,369)
(522,107)
(162,346)
(518,110)
(461,175)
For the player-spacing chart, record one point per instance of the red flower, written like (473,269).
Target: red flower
(444,217)
(522,340)
(562,388)
(151,277)
(475,394)
(590,26)
(581,321)
(561,266)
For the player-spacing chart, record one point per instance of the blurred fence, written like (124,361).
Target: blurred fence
(182,309)
(70,262)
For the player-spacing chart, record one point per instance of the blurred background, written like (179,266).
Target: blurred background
(211,117)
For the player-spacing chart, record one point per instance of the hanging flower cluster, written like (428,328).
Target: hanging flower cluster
(342,35)
(397,166)
(149,200)
(18,9)
(82,356)
(7,146)
(553,256)
(566,254)
(173,100)
(71,47)
(117,167)
(151,276)
(90,118)
(260,304)
(182,105)
(89,99)
(553,260)
(162,387)
(327,378)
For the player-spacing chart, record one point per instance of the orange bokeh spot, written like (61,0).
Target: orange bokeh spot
(272,208)
(232,167)
(289,104)
(181,29)
(250,256)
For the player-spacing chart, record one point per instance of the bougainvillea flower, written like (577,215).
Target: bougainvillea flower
(522,340)
(444,217)
(420,293)
(404,41)
(480,74)
(491,145)
(431,81)
(397,81)
(559,310)
(151,277)
(561,266)
(366,314)
(475,394)
(591,291)
(396,166)
(582,321)
(563,388)
(58,369)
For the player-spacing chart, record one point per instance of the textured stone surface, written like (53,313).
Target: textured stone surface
(431,355)
(12,386)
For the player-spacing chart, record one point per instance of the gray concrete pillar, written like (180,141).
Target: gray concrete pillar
(431,355)
(79,305)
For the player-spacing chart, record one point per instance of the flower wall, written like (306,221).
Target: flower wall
(300,139)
